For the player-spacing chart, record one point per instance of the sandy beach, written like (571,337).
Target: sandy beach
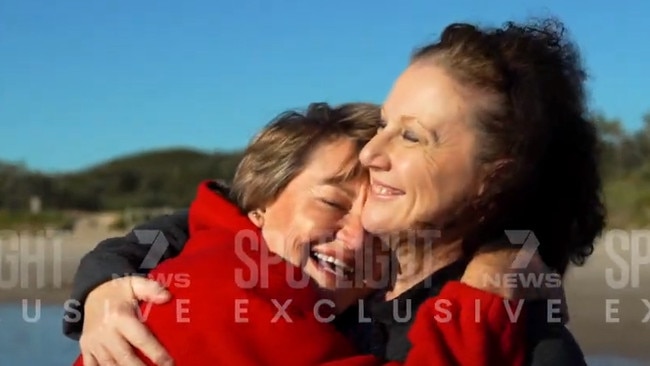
(42,265)
(590,293)
(609,300)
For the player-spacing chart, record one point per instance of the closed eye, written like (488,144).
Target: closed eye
(410,136)
(333,204)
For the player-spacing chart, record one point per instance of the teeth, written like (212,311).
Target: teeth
(383,190)
(334,261)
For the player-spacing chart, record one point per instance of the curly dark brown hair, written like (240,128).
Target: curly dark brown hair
(535,121)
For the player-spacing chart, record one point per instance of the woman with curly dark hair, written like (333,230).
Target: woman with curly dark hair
(484,135)
(486,131)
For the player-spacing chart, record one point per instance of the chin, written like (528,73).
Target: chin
(375,224)
(377,220)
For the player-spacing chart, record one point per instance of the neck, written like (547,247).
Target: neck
(417,262)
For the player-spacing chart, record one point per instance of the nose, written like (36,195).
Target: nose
(373,155)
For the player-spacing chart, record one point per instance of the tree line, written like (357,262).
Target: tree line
(168,178)
(146,180)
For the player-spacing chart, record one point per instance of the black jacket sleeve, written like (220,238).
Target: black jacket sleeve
(557,348)
(133,254)
(550,344)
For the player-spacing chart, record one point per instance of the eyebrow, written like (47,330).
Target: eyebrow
(337,181)
(343,176)
(403,117)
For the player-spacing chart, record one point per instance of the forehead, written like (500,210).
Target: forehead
(334,162)
(425,92)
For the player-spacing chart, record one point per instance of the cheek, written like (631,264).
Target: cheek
(422,176)
(279,228)
(441,180)
(454,182)
(310,222)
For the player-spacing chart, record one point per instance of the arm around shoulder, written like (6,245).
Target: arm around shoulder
(135,253)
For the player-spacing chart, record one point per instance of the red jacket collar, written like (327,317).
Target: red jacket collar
(211,209)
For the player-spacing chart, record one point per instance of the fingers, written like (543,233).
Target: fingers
(88,359)
(138,335)
(112,343)
(122,352)
(112,325)
(146,289)
(104,357)
(99,356)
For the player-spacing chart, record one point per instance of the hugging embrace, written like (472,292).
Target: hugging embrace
(376,235)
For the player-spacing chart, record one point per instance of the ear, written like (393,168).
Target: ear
(257,217)
(492,170)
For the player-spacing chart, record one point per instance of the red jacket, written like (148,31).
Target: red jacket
(214,318)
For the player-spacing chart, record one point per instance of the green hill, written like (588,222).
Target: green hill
(150,179)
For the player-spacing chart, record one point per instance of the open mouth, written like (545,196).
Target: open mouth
(332,265)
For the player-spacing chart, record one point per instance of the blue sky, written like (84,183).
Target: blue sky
(82,81)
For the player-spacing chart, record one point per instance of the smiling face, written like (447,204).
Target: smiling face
(316,220)
(422,160)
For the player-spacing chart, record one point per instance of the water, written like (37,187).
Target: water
(31,340)
(28,340)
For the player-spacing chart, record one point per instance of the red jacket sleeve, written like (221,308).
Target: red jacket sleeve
(462,326)
(469,327)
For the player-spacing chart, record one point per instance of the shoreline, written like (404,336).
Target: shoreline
(46,296)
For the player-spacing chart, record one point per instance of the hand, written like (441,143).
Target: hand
(111,324)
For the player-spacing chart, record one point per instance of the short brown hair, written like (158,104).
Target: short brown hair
(534,115)
(279,152)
